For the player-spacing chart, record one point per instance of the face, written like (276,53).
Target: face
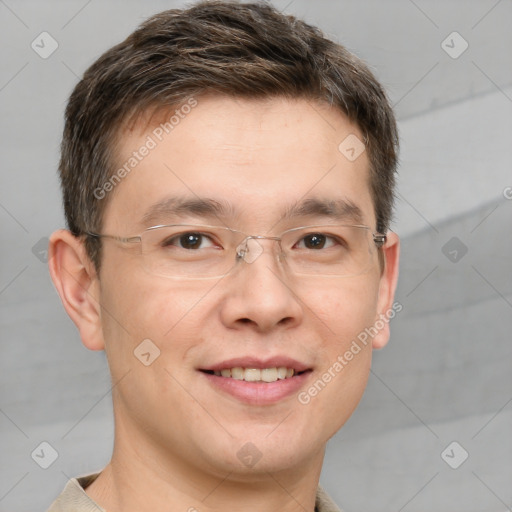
(259,160)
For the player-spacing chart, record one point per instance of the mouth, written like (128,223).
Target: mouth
(256,382)
(268,375)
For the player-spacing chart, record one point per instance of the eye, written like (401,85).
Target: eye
(316,241)
(190,241)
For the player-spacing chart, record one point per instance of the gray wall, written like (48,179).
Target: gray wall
(444,377)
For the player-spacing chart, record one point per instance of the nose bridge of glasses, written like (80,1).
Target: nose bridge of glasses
(250,249)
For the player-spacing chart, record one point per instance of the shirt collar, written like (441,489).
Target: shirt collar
(74,497)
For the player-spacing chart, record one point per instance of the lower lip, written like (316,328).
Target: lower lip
(258,393)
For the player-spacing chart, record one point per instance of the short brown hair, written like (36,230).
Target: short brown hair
(247,50)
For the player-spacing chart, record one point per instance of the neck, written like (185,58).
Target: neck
(143,477)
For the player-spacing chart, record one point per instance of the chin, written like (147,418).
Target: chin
(253,455)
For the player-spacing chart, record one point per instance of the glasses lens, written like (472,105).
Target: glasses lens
(329,250)
(189,251)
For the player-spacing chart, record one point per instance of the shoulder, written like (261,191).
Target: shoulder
(74,497)
(324,502)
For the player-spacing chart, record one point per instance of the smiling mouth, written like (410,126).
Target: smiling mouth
(265,375)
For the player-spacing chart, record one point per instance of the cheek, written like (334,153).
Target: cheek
(142,307)
(343,308)
(341,315)
(344,354)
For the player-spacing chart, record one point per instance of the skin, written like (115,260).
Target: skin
(176,436)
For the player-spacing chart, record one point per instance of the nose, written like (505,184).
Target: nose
(259,294)
(250,249)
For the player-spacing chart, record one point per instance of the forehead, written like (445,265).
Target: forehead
(259,159)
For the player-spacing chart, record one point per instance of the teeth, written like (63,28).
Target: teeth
(252,374)
(255,374)
(269,375)
(281,373)
(237,373)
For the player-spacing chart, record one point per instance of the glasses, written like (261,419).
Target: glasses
(202,252)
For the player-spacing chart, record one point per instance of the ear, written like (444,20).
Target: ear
(77,284)
(386,309)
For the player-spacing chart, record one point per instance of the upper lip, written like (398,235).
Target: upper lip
(256,362)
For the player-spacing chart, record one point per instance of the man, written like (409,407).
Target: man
(228,181)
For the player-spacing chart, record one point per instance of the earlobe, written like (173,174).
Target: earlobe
(77,284)
(387,287)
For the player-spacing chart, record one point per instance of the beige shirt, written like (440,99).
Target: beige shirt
(74,498)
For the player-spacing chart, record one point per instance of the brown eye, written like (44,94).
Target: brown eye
(315,241)
(190,241)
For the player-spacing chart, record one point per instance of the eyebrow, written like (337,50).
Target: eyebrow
(186,206)
(337,209)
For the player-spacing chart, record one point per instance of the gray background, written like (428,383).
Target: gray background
(446,374)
